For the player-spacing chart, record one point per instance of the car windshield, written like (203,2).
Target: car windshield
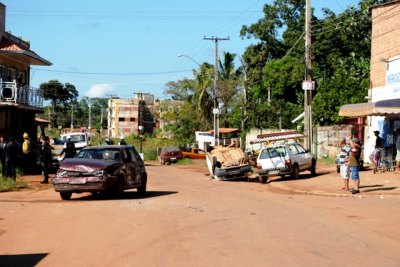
(272,152)
(103,154)
(171,149)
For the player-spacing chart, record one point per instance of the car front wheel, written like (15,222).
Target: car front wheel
(313,168)
(65,195)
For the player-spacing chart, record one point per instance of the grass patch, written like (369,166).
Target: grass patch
(8,184)
(184,161)
(327,161)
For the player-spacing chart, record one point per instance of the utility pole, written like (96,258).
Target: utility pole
(308,85)
(90,113)
(72,117)
(216,109)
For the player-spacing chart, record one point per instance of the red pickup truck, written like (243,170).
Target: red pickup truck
(194,153)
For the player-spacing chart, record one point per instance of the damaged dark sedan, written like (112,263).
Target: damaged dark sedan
(101,168)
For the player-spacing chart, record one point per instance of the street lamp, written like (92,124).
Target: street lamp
(180,55)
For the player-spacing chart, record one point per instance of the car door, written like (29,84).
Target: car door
(303,157)
(136,164)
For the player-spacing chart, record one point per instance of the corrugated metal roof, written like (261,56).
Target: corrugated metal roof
(263,138)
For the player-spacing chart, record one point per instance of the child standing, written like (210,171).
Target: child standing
(343,162)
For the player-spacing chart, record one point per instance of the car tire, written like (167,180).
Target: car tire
(119,186)
(313,168)
(294,174)
(143,184)
(65,195)
(262,179)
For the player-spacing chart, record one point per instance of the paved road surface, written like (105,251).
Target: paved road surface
(189,220)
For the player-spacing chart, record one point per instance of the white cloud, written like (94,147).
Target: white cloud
(101,90)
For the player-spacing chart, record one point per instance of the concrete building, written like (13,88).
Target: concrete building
(382,112)
(128,116)
(19,102)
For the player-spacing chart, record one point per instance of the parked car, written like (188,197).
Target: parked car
(227,163)
(285,159)
(101,168)
(194,153)
(169,154)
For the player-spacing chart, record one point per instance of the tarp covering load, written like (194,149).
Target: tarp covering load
(263,138)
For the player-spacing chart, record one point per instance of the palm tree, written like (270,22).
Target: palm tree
(228,83)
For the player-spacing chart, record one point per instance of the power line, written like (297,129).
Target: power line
(112,74)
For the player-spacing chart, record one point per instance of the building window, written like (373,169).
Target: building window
(121,119)
(133,119)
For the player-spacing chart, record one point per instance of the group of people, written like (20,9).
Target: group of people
(350,157)
(11,150)
(8,155)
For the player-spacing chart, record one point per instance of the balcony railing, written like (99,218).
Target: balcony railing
(10,92)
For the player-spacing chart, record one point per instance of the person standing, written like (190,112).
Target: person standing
(26,152)
(11,152)
(376,154)
(343,163)
(397,150)
(26,145)
(354,164)
(69,150)
(45,159)
(122,142)
(3,156)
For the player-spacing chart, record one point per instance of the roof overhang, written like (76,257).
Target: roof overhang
(25,57)
(379,108)
(227,130)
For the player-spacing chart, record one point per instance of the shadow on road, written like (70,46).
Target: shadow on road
(21,259)
(125,195)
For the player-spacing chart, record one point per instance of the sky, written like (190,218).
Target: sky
(122,47)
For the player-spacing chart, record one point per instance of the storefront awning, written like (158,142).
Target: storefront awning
(379,108)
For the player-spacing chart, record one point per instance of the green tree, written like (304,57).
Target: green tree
(60,96)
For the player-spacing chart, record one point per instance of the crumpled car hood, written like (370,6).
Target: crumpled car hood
(86,165)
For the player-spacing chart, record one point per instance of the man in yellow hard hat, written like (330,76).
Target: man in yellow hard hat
(26,153)
(26,145)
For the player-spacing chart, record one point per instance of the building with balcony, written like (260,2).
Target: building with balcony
(19,102)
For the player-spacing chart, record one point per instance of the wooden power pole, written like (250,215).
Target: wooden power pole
(216,109)
(308,85)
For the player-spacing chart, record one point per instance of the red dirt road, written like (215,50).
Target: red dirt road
(186,219)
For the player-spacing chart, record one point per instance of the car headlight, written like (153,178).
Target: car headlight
(62,173)
(99,173)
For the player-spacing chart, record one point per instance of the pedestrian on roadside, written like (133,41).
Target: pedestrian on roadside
(26,145)
(27,153)
(343,163)
(375,157)
(45,159)
(11,153)
(3,156)
(397,131)
(69,149)
(354,164)
(122,142)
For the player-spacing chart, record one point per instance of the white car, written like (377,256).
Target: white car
(80,140)
(285,159)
